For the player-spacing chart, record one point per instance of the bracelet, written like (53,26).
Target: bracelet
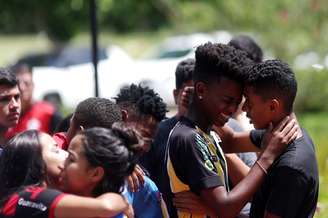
(262,168)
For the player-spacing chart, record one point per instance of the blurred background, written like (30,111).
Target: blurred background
(142,42)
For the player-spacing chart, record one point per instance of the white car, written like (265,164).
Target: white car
(76,83)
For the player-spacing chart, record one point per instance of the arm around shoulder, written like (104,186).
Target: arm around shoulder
(106,205)
(235,142)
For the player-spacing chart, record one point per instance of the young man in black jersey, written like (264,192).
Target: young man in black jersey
(291,187)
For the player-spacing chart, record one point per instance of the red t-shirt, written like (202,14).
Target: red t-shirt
(32,202)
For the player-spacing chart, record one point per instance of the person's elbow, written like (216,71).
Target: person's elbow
(218,201)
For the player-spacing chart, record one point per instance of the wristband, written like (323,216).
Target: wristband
(262,168)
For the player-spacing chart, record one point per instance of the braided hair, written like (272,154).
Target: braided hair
(116,150)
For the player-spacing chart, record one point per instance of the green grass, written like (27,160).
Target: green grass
(317,127)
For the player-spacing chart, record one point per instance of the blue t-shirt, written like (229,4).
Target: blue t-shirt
(146,202)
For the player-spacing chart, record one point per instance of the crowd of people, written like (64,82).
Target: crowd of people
(233,149)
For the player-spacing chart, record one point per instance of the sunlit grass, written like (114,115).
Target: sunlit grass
(317,126)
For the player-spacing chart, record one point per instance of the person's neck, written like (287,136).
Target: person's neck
(276,121)
(196,115)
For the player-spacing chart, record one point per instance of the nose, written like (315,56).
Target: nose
(14,103)
(61,167)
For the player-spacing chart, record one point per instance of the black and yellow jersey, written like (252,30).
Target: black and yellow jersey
(194,162)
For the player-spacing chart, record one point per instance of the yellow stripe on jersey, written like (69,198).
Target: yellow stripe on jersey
(178,186)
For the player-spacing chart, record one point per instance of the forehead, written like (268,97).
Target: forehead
(226,86)
(46,140)
(76,144)
(6,90)
(24,74)
(250,93)
(187,83)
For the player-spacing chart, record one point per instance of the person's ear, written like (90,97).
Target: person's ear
(97,174)
(124,115)
(275,105)
(200,90)
(79,129)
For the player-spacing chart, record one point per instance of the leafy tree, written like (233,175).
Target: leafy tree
(127,15)
(60,18)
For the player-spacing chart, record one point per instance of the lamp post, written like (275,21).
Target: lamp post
(94,41)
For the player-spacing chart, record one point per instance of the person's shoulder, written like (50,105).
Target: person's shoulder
(299,156)
(37,191)
(148,192)
(150,184)
(167,124)
(184,125)
(183,131)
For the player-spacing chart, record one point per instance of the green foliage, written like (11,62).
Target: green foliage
(312,91)
(191,16)
(287,27)
(127,15)
(60,18)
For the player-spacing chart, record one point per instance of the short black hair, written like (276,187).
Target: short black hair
(216,60)
(273,78)
(142,101)
(183,72)
(7,77)
(247,44)
(95,111)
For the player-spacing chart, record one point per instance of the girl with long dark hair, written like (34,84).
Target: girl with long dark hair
(31,165)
